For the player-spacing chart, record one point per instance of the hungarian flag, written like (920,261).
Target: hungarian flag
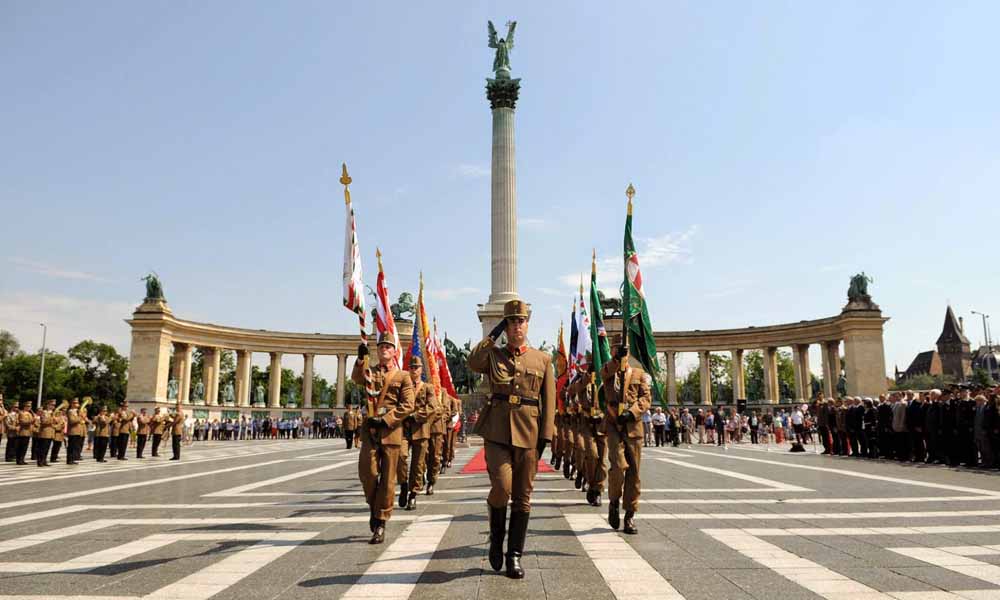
(562,372)
(384,323)
(422,328)
(574,336)
(601,350)
(635,314)
(354,287)
(442,361)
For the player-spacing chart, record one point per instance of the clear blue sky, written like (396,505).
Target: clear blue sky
(777,148)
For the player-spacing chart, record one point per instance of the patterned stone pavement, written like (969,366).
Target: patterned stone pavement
(285,519)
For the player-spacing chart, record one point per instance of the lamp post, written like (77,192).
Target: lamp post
(41,372)
(986,332)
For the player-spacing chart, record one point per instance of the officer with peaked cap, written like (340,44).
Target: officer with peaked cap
(381,432)
(516,423)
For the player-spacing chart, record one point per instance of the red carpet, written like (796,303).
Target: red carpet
(478,465)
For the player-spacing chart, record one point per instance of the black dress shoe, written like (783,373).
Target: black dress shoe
(411,502)
(404,492)
(430,489)
(378,536)
(630,523)
(614,519)
(579,480)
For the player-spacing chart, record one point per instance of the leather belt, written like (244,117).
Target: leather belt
(515,400)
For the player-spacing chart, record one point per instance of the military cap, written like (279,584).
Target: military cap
(387,337)
(416,361)
(515,308)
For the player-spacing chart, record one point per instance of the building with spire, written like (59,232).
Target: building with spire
(953,357)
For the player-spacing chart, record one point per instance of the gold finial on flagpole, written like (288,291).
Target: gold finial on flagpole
(378,256)
(345,180)
(629,193)
(581,287)
(593,262)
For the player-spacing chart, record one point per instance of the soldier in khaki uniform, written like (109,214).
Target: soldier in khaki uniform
(10,428)
(102,433)
(125,418)
(177,431)
(76,430)
(143,422)
(46,432)
(159,425)
(516,424)
(595,441)
(451,434)
(580,425)
(418,430)
(382,433)
(435,446)
(350,426)
(58,435)
(627,393)
(113,428)
(25,425)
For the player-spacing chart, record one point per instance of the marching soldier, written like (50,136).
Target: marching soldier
(177,431)
(516,424)
(626,392)
(58,435)
(435,446)
(556,460)
(451,432)
(595,441)
(102,434)
(114,427)
(125,418)
(25,424)
(390,401)
(419,432)
(10,426)
(142,432)
(46,431)
(159,425)
(580,423)
(76,429)
(350,426)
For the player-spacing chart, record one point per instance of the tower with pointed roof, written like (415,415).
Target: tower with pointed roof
(954,348)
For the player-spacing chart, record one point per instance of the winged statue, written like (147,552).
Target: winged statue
(501,62)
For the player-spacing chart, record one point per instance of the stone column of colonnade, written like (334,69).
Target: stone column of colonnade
(274,383)
(705,376)
(671,359)
(341,379)
(803,382)
(243,358)
(771,389)
(739,381)
(212,358)
(182,371)
(307,380)
(830,351)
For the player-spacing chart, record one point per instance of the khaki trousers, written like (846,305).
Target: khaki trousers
(402,465)
(578,450)
(595,470)
(379,497)
(622,480)
(452,436)
(512,475)
(418,464)
(434,451)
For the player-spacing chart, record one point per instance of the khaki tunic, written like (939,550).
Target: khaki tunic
(144,422)
(159,423)
(125,421)
(25,423)
(523,372)
(635,398)
(58,428)
(77,423)
(177,424)
(10,424)
(102,426)
(350,420)
(46,431)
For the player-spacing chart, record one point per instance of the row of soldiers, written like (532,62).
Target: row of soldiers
(587,435)
(956,426)
(45,430)
(406,432)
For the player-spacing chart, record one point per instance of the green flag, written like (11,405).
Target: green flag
(635,315)
(601,352)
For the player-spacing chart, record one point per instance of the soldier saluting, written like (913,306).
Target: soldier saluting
(516,423)
(390,400)
(627,395)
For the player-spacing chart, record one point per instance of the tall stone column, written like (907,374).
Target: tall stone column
(274,383)
(149,357)
(307,380)
(739,381)
(671,357)
(705,375)
(502,93)
(771,390)
(243,358)
(803,382)
(864,363)
(212,359)
(831,368)
(182,371)
(341,379)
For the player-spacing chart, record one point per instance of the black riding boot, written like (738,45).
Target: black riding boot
(630,523)
(613,517)
(579,480)
(498,526)
(566,467)
(411,503)
(404,492)
(515,543)
(378,535)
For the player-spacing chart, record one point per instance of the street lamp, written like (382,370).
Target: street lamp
(41,372)
(986,331)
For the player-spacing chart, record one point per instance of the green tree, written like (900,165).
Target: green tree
(982,378)
(464,379)
(753,366)
(19,377)
(9,346)
(98,370)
